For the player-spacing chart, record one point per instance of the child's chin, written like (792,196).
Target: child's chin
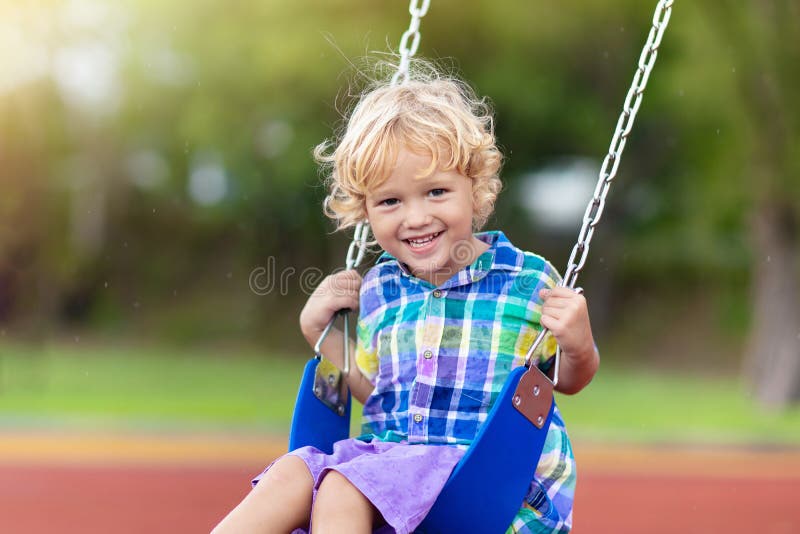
(426,272)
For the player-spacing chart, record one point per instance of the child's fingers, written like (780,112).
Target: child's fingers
(343,283)
(562,298)
(342,287)
(560,307)
(554,324)
(544,294)
(562,310)
(553,308)
(561,292)
(346,277)
(345,304)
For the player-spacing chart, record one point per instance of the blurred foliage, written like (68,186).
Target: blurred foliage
(100,229)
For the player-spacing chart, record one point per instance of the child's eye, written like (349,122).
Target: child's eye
(388,202)
(437,192)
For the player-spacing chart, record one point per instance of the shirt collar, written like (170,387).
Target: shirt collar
(501,255)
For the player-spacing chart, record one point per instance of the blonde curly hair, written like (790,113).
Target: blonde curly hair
(429,114)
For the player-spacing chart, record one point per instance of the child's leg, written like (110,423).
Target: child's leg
(341,508)
(279,503)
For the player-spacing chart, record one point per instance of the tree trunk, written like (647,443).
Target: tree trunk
(772,363)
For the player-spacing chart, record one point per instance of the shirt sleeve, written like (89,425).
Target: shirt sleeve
(366,351)
(366,330)
(548,278)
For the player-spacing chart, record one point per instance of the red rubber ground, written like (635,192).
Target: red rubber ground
(642,491)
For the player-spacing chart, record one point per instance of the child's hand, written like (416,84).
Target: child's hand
(565,314)
(336,292)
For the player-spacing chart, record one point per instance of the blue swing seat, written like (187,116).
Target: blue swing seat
(488,485)
(316,422)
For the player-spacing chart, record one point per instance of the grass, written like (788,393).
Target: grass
(125,386)
(101,387)
(654,406)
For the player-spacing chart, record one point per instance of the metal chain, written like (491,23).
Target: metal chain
(633,100)
(359,243)
(400,76)
(594,210)
(412,33)
(358,246)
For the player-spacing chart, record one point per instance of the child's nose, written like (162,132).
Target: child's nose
(417,217)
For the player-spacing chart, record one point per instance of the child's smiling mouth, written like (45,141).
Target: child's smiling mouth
(422,243)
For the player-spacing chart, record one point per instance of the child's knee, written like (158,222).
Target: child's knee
(340,502)
(336,487)
(288,471)
(281,501)
(335,480)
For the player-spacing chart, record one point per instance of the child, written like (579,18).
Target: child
(444,315)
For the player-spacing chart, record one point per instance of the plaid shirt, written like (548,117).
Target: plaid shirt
(439,356)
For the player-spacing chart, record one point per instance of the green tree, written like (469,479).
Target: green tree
(761,35)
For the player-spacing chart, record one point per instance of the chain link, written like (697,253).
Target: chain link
(594,211)
(412,34)
(358,246)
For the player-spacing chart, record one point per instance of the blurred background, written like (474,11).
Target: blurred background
(161,224)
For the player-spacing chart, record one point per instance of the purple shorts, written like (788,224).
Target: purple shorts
(401,480)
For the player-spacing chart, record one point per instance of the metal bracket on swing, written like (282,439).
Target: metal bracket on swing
(534,396)
(330,386)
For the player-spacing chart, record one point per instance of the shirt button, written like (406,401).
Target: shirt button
(417,418)
(437,293)
(428,354)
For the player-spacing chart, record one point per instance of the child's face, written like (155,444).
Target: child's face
(425,222)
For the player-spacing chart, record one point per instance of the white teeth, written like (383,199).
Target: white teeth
(421,242)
